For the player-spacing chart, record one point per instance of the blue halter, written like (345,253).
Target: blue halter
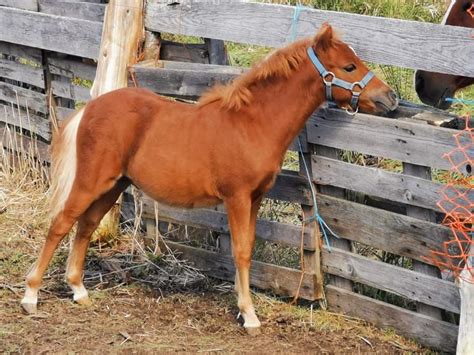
(328,82)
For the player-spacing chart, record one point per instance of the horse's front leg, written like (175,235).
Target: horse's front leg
(242,217)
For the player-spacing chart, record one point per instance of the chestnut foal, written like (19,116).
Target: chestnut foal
(227,148)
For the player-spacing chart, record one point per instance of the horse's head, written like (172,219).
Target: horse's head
(347,79)
(434,88)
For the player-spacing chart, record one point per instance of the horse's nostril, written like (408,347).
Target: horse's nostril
(393,96)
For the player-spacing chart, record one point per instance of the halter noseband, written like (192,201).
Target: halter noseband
(330,79)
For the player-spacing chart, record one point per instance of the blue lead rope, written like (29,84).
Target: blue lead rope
(294,23)
(323,226)
(460,101)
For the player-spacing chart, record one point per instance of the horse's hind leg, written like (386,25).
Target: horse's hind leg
(87,224)
(76,204)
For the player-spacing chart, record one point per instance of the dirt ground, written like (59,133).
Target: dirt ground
(145,303)
(138,317)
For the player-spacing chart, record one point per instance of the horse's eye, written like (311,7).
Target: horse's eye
(350,68)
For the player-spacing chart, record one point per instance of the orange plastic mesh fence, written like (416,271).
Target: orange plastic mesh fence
(457,202)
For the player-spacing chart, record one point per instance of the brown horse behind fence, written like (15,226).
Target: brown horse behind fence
(228,148)
(434,88)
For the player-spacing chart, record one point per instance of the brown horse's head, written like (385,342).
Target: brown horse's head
(434,88)
(342,63)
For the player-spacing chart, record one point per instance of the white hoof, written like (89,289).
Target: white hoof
(253,331)
(29,308)
(81,295)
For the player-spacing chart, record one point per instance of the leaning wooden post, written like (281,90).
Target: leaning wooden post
(466,322)
(122,36)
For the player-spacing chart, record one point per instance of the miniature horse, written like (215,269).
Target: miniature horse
(434,88)
(227,148)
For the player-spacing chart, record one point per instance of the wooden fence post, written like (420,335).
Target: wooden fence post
(466,323)
(122,35)
(427,215)
(312,258)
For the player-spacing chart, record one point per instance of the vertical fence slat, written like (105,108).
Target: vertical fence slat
(339,243)
(427,215)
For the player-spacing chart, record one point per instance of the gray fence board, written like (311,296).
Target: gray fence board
(402,43)
(397,280)
(281,280)
(29,121)
(429,332)
(377,182)
(14,141)
(80,10)
(31,5)
(203,218)
(392,232)
(51,32)
(409,142)
(20,72)
(70,91)
(24,97)
(71,68)
(29,53)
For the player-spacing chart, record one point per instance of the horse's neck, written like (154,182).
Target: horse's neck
(287,103)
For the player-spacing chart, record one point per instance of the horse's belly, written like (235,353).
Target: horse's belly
(180,190)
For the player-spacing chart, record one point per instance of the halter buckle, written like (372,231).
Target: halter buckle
(354,85)
(325,75)
(351,111)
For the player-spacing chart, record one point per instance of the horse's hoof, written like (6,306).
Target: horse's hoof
(30,308)
(84,301)
(253,331)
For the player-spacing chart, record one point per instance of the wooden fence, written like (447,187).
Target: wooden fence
(50,45)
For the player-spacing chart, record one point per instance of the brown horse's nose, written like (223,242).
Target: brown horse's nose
(419,82)
(393,96)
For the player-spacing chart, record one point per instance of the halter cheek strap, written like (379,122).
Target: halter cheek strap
(471,11)
(330,79)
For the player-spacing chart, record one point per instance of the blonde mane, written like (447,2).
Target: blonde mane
(279,64)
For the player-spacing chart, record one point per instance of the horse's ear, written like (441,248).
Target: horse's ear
(325,37)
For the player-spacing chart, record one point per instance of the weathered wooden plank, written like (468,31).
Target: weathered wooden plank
(205,218)
(80,10)
(29,53)
(14,141)
(31,5)
(184,52)
(71,68)
(466,321)
(402,43)
(426,215)
(23,73)
(64,112)
(335,241)
(380,183)
(393,279)
(70,91)
(27,121)
(427,331)
(51,32)
(291,187)
(217,51)
(402,140)
(191,83)
(24,97)
(281,280)
(392,232)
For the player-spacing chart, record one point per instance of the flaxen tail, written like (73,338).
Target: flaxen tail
(64,162)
